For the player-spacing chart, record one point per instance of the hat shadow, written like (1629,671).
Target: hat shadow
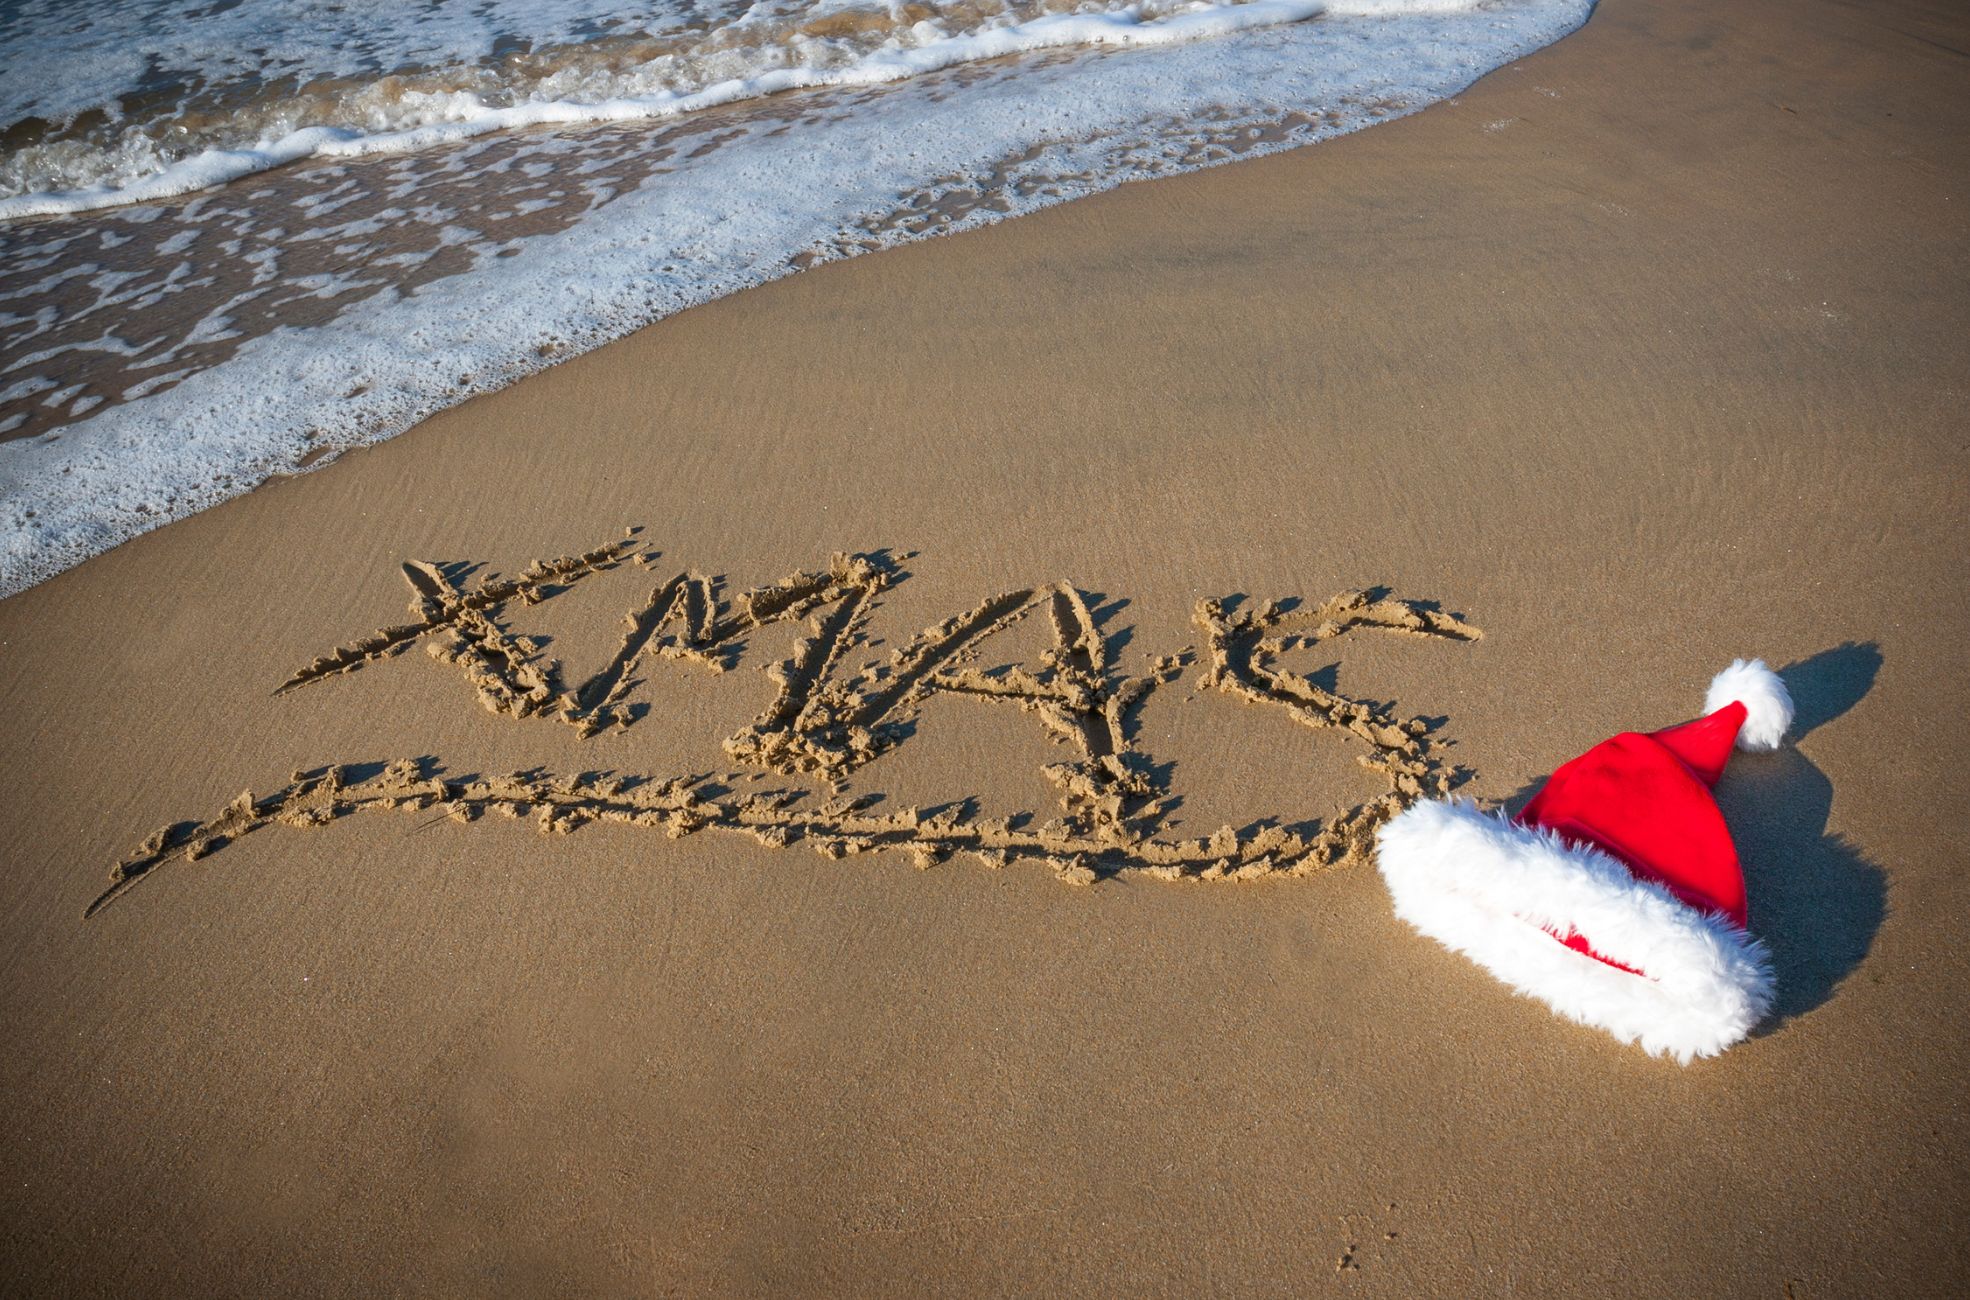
(1815,900)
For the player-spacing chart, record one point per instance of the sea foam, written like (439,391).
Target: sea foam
(138,168)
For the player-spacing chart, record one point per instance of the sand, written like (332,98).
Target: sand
(957,918)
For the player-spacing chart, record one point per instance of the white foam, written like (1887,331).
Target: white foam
(715,223)
(142,174)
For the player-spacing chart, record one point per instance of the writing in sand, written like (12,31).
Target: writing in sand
(826,721)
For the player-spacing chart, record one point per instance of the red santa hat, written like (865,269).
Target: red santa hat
(1615,896)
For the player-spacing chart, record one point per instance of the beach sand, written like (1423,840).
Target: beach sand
(1647,352)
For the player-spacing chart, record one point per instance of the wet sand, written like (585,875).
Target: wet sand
(1645,353)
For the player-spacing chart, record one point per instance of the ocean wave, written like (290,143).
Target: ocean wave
(189,134)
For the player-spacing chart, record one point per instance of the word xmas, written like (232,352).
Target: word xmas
(827,720)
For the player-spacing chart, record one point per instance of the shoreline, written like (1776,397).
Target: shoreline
(1643,354)
(335,306)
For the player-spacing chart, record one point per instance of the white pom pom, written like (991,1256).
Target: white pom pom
(1767,704)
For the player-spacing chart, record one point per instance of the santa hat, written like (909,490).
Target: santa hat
(1615,896)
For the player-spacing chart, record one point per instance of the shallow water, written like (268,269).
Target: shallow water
(158,357)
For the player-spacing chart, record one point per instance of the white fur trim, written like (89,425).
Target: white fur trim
(1767,704)
(1484,886)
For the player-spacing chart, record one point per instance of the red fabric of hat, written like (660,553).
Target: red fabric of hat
(1645,800)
